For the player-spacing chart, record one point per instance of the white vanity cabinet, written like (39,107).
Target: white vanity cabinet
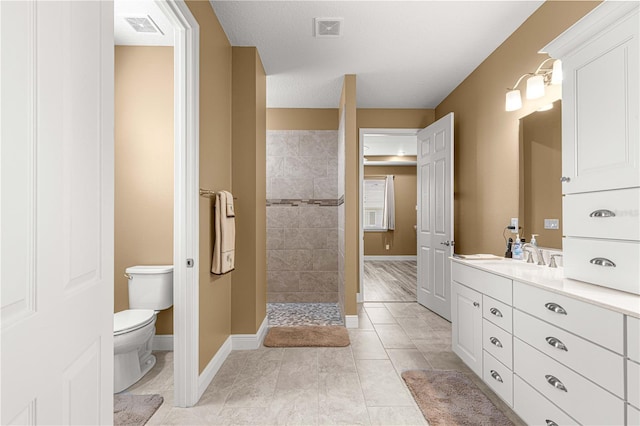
(554,358)
(601,146)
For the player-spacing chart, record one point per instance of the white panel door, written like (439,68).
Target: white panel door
(56,218)
(435,215)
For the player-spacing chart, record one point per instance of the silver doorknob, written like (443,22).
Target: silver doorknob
(565,179)
(448,243)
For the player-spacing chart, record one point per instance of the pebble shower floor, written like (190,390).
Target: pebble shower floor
(299,314)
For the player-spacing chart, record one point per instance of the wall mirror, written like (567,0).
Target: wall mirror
(540,198)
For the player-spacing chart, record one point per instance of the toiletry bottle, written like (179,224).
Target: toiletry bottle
(534,242)
(509,254)
(517,248)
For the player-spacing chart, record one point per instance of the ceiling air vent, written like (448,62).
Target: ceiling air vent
(328,27)
(143,25)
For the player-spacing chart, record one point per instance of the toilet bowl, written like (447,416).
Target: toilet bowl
(150,290)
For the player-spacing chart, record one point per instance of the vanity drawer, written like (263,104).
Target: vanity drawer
(586,259)
(534,408)
(592,361)
(498,377)
(605,214)
(498,343)
(633,339)
(487,283)
(591,322)
(633,416)
(497,312)
(581,399)
(633,383)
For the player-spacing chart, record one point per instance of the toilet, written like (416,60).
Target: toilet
(150,291)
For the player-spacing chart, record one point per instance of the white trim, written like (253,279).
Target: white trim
(234,342)
(209,372)
(391,163)
(351,321)
(162,342)
(186,196)
(359,298)
(250,341)
(362,133)
(392,258)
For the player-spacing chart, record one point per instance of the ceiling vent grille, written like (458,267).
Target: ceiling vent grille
(328,27)
(143,25)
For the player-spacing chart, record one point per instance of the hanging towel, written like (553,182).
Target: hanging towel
(225,234)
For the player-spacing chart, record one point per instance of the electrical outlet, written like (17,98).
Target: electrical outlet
(386,247)
(552,224)
(514,223)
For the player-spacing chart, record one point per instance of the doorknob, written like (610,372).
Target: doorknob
(448,243)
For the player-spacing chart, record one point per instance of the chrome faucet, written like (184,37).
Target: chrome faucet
(537,251)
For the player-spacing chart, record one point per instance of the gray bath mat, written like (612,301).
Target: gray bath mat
(135,410)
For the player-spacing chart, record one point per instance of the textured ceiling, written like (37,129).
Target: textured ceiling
(405,54)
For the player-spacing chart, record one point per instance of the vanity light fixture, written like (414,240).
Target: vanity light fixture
(535,84)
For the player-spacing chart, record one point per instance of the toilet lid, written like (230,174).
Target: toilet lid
(131,319)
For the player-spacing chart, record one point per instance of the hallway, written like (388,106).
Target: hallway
(390,281)
(359,384)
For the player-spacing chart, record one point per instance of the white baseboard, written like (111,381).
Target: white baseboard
(250,341)
(359,298)
(351,321)
(391,258)
(162,342)
(214,365)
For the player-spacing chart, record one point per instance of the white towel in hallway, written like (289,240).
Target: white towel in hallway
(225,234)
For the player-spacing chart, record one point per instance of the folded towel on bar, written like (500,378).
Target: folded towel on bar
(225,234)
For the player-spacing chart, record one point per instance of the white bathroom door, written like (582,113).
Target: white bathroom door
(56,219)
(435,215)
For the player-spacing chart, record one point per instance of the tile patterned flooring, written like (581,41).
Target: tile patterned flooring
(390,281)
(357,385)
(294,314)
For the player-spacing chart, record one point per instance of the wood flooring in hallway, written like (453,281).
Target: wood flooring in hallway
(390,281)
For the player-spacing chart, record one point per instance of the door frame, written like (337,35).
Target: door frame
(186,54)
(362,133)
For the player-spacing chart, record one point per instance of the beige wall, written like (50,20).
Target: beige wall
(249,280)
(402,240)
(541,190)
(386,118)
(215,173)
(351,270)
(143,166)
(302,119)
(486,137)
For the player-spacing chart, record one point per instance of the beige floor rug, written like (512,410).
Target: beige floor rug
(135,410)
(450,398)
(307,336)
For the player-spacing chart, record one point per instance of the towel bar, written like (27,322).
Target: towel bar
(210,194)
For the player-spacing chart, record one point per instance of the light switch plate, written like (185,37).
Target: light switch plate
(514,223)
(552,224)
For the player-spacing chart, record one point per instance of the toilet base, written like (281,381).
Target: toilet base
(132,362)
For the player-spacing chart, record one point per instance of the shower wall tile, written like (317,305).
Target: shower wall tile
(318,217)
(291,187)
(282,217)
(318,281)
(325,260)
(302,241)
(275,239)
(283,281)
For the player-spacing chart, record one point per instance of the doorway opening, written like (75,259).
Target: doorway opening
(171,154)
(388,264)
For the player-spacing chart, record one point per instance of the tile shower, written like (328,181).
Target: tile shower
(302,216)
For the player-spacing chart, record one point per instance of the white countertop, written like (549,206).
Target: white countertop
(552,279)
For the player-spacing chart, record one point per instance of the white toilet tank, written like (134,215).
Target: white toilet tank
(150,286)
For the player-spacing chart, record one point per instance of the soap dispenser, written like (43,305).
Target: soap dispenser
(517,248)
(534,242)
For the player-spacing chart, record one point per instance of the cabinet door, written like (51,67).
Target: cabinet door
(466,309)
(600,112)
